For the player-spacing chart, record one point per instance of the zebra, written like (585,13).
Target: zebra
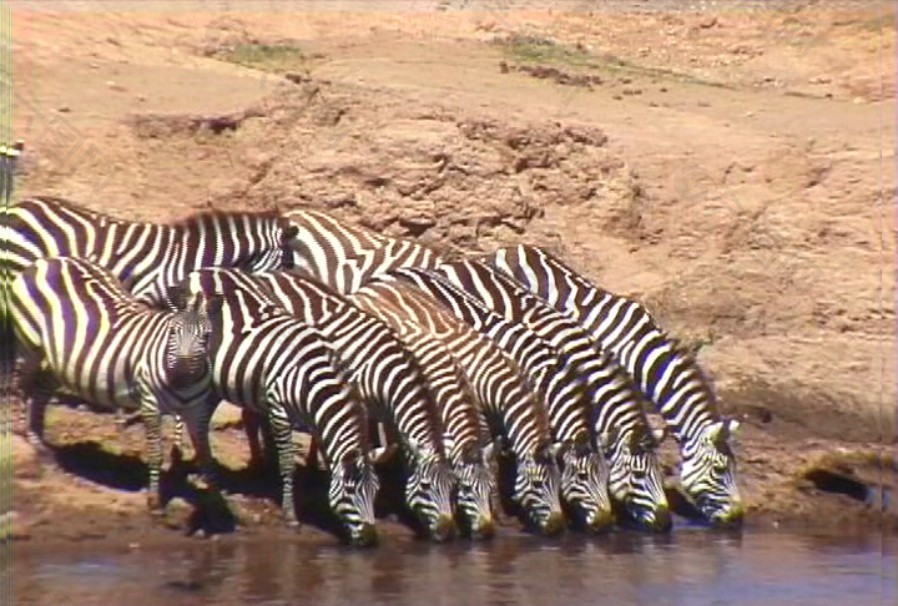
(147,257)
(664,370)
(629,444)
(78,324)
(323,245)
(351,255)
(267,360)
(386,377)
(584,482)
(507,400)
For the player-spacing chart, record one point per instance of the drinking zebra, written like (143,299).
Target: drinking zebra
(584,480)
(508,402)
(77,323)
(635,475)
(667,373)
(469,453)
(384,375)
(267,360)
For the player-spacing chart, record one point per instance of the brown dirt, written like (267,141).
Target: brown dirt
(725,168)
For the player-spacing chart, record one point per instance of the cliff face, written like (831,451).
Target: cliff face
(732,171)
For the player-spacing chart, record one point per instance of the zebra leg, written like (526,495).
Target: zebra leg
(283,437)
(35,401)
(252,426)
(152,422)
(198,420)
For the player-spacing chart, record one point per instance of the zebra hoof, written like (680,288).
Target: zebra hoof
(154,504)
(293,524)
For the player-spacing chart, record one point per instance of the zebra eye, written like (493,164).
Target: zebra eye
(582,476)
(639,474)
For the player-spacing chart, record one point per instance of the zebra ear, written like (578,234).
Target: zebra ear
(720,431)
(291,230)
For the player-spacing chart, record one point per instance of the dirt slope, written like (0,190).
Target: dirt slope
(726,168)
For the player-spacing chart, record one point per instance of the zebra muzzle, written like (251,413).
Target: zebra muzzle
(365,535)
(444,529)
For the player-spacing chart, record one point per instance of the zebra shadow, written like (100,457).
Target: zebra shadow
(210,511)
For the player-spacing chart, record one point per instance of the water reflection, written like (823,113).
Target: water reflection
(688,567)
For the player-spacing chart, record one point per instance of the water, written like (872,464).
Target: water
(688,567)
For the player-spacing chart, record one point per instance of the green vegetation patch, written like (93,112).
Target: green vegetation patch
(278,58)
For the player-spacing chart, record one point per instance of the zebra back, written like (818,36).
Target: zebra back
(664,370)
(147,257)
(345,256)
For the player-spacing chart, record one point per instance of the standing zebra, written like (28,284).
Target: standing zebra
(510,405)
(635,472)
(75,320)
(584,480)
(323,246)
(267,360)
(669,375)
(146,257)
(386,377)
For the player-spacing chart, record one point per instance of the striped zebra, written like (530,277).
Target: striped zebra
(385,376)
(148,257)
(635,476)
(76,322)
(345,256)
(667,373)
(266,360)
(584,480)
(508,402)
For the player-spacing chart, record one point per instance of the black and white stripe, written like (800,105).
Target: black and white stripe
(267,360)
(619,421)
(584,480)
(387,378)
(345,256)
(668,374)
(508,402)
(147,257)
(75,320)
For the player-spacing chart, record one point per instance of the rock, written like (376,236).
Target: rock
(227,416)
(708,22)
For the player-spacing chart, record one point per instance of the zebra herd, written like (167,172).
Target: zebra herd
(371,345)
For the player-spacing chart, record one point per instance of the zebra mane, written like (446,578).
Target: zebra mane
(214,214)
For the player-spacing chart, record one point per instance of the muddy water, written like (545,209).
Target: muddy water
(689,567)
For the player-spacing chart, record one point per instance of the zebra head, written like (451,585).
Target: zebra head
(428,490)
(187,346)
(584,482)
(636,479)
(536,488)
(353,488)
(476,483)
(708,473)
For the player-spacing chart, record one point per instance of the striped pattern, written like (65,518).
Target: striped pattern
(584,481)
(620,424)
(508,401)
(75,320)
(148,257)
(267,360)
(345,256)
(387,378)
(670,376)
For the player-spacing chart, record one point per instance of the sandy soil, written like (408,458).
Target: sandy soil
(727,168)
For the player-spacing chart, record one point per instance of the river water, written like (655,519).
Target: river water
(687,567)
